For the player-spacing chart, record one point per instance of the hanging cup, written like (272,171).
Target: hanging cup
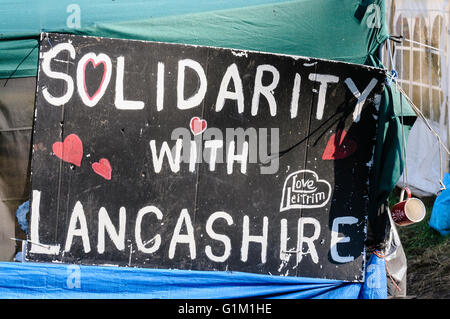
(409,211)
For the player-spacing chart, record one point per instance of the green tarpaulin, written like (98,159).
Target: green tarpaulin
(317,28)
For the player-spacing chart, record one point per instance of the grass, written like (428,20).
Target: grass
(428,256)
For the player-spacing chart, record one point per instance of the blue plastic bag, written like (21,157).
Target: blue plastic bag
(21,215)
(440,215)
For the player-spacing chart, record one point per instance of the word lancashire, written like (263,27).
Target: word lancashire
(78,228)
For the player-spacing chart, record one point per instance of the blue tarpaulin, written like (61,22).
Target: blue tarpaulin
(440,216)
(26,280)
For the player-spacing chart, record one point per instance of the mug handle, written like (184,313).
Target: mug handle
(408,191)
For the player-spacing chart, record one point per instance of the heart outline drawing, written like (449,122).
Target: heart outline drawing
(197,125)
(96,60)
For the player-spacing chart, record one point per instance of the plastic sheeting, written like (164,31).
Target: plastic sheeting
(440,216)
(47,281)
(375,286)
(316,28)
(422,159)
(396,262)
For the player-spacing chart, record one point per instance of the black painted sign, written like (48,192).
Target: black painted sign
(172,156)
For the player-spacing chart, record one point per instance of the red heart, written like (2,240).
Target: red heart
(70,151)
(197,125)
(103,77)
(339,147)
(102,168)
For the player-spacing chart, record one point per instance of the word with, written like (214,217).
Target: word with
(239,145)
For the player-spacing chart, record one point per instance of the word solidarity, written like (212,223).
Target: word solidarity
(231,76)
(160,155)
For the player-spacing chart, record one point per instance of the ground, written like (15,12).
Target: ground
(428,258)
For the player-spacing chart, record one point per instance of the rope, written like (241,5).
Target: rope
(392,78)
(393,71)
(441,181)
(423,44)
(391,58)
(380,255)
(418,112)
(405,175)
(20,63)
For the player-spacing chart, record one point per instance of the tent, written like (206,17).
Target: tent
(424,27)
(350,31)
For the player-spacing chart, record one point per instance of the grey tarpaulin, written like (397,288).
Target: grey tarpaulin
(16,118)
